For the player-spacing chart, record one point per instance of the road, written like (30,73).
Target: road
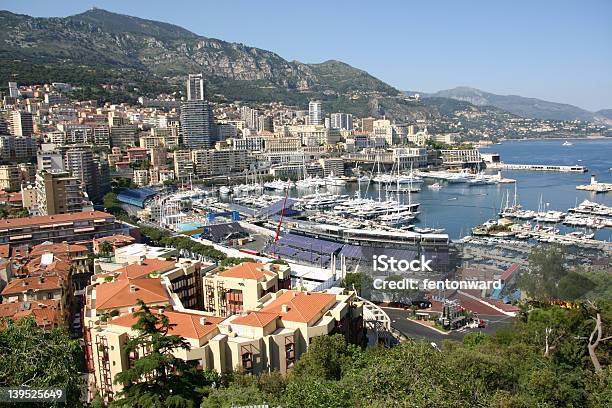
(400,321)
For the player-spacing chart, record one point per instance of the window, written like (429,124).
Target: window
(247,361)
(132,357)
(290,354)
(234,301)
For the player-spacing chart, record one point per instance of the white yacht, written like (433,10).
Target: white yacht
(331,180)
(458,178)
(279,185)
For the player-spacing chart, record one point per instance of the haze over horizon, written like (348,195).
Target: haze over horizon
(558,51)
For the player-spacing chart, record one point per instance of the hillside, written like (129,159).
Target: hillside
(519,105)
(98,45)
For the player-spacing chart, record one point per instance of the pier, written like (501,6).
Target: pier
(537,167)
(595,186)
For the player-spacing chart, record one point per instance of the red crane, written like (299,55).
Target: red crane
(280,222)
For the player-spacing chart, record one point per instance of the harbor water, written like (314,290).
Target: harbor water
(459,207)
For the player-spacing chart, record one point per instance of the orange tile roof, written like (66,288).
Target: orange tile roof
(182,324)
(256,319)
(43,311)
(115,239)
(59,266)
(246,270)
(35,283)
(52,219)
(148,266)
(303,306)
(119,293)
(60,248)
(9,309)
(43,317)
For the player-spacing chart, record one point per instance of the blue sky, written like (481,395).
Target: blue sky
(556,50)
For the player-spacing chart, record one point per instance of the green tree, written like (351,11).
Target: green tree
(546,269)
(33,357)
(243,391)
(158,378)
(360,281)
(574,286)
(328,358)
(106,248)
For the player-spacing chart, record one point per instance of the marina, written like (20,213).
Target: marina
(538,207)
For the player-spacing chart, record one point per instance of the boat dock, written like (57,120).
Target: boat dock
(537,167)
(595,186)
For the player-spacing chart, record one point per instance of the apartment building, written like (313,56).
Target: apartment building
(251,143)
(332,166)
(213,162)
(86,133)
(250,319)
(123,135)
(197,124)
(10,177)
(313,135)
(20,123)
(342,121)
(315,113)
(367,124)
(158,156)
(115,241)
(183,164)
(281,143)
(141,178)
(13,175)
(94,173)
(79,227)
(35,288)
(239,288)
(58,193)
(136,154)
(383,128)
(50,160)
(17,148)
(46,313)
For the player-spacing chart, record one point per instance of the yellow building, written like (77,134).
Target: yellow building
(267,327)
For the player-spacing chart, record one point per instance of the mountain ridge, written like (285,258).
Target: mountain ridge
(526,107)
(104,38)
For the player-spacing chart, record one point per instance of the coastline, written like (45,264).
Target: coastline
(590,137)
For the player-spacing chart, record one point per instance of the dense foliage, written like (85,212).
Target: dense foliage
(548,278)
(33,357)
